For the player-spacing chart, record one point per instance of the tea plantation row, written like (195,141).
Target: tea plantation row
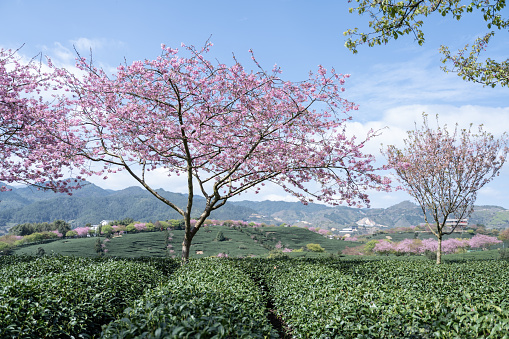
(62,297)
(390,299)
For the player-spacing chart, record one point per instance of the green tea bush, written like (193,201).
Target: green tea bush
(21,267)
(391,299)
(74,303)
(315,247)
(208,298)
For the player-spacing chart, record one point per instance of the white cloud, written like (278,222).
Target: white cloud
(85,44)
(418,81)
(494,119)
(60,53)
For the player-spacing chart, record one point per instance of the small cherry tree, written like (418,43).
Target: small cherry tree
(224,128)
(444,170)
(27,153)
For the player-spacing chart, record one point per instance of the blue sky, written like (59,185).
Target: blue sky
(392,84)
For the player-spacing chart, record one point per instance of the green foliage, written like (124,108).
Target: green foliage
(77,301)
(315,248)
(130,227)
(37,237)
(431,255)
(150,226)
(71,234)
(29,228)
(107,229)
(98,246)
(153,243)
(220,236)
(164,224)
(123,222)
(3,246)
(222,298)
(277,254)
(204,299)
(177,224)
(370,245)
(391,19)
(389,299)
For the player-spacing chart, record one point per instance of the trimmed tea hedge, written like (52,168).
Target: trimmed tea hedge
(391,299)
(76,300)
(204,299)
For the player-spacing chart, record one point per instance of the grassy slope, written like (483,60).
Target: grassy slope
(240,243)
(244,242)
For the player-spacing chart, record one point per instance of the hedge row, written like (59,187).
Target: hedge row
(69,297)
(391,299)
(207,298)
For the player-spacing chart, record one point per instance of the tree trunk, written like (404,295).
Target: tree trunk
(439,250)
(186,248)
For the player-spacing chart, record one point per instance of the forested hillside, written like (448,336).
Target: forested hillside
(92,204)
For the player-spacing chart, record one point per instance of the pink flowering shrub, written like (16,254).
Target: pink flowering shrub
(483,241)
(287,250)
(11,239)
(416,246)
(453,245)
(359,250)
(409,246)
(351,239)
(140,227)
(278,245)
(384,247)
(323,231)
(429,245)
(60,235)
(222,255)
(82,231)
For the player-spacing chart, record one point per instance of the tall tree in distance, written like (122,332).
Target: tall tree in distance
(443,171)
(391,19)
(223,128)
(27,154)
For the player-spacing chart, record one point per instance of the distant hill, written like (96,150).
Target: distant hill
(91,204)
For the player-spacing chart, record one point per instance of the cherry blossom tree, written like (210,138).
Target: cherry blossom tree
(483,241)
(27,153)
(452,245)
(384,247)
(410,246)
(444,170)
(224,128)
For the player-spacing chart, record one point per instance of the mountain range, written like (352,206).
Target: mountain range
(91,204)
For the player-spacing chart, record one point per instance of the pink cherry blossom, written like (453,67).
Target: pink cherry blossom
(140,226)
(82,231)
(226,128)
(60,235)
(444,170)
(384,247)
(28,154)
(483,241)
